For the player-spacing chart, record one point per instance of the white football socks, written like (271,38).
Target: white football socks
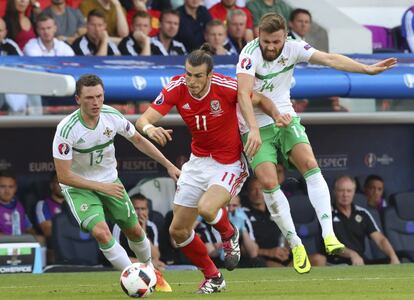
(279,209)
(117,256)
(142,249)
(320,198)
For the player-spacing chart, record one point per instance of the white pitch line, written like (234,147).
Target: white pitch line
(242,281)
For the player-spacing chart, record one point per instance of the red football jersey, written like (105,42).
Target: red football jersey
(212,120)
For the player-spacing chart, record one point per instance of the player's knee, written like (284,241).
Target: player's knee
(102,235)
(268,183)
(311,164)
(179,235)
(134,233)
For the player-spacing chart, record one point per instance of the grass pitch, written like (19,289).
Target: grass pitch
(366,282)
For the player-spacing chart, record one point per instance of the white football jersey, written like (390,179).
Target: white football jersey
(273,78)
(91,150)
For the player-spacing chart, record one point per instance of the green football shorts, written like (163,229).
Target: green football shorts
(278,140)
(90,207)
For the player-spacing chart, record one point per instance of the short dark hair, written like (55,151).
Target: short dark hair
(96,13)
(213,23)
(169,12)
(141,14)
(202,56)
(87,80)
(371,178)
(272,22)
(44,17)
(138,196)
(298,11)
(8,174)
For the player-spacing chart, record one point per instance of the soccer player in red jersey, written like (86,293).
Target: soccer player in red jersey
(216,171)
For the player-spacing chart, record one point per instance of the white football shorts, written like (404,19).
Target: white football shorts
(199,173)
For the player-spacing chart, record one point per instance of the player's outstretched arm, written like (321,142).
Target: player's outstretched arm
(145,126)
(244,90)
(343,63)
(146,147)
(67,177)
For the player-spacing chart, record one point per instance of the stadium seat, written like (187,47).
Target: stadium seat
(399,224)
(306,223)
(360,200)
(382,39)
(160,190)
(71,245)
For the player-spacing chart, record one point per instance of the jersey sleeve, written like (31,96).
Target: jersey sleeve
(62,146)
(247,63)
(168,97)
(304,51)
(125,127)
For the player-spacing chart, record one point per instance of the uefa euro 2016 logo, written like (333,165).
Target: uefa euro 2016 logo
(246,63)
(63,148)
(139,82)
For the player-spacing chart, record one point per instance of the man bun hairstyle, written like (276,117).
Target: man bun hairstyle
(272,22)
(202,56)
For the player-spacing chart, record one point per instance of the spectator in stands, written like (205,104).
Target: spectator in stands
(18,104)
(221,11)
(45,210)
(407,27)
(13,218)
(266,232)
(138,41)
(215,35)
(164,43)
(46,44)
(140,203)
(96,40)
(352,224)
(258,8)
(7,45)
(113,13)
(159,5)
(236,29)
(19,26)
(374,191)
(49,207)
(300,23)
(193,20)
(70,21)
(145,6)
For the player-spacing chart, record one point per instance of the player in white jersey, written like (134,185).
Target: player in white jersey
(266,65)
(85,162)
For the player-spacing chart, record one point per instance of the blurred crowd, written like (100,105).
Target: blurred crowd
(149,27)
(364,219)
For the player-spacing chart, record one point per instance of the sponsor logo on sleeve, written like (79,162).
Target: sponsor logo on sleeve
(307,47)
(246,63)
(159,100)
(63,149)
(128,126)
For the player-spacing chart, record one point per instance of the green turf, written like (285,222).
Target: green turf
(368,282)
